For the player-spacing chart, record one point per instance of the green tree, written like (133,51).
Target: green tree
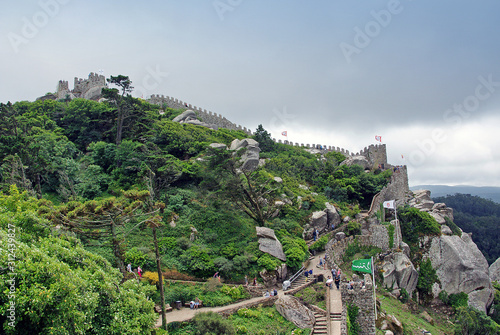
(111,218)
(266,143)
(469,321)
(60,287)
(120,101)
(426,278)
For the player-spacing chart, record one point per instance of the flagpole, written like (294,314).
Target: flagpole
(374,287)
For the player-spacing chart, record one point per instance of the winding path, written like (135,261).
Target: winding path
(185,313)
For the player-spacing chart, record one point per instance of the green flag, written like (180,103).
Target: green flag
(363,265)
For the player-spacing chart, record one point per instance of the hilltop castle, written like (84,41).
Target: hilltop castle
(91,89)
(83,88)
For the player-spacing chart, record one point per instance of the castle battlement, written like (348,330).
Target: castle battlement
(375,153)
(83,88)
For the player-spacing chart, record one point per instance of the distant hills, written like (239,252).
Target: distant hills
(486,192)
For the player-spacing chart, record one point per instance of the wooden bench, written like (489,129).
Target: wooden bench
(167,308)
(186,304)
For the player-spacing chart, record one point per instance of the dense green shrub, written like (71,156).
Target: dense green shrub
(353,311)
(212,323)
(426,278)
(353,228)
(320,244)
(390,232)
(404,295)
(415,223)
(268,262)
(471,321)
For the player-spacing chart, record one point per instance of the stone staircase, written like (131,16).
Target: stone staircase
(301,280)
(320,326)
(336,316)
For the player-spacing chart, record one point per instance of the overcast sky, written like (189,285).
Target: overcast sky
(424,75)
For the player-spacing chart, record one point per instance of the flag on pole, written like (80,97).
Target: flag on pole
(389,204)
(362,265)
(378,138)
(284,133)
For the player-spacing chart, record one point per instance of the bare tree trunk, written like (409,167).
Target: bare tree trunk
(160,281)
(116,250)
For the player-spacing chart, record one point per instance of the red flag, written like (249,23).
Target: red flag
(378,138)
(284,133)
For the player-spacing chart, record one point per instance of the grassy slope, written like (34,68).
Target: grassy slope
(413,321)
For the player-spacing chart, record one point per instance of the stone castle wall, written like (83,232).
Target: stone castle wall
(397,189)
(376,154)
(206,116)
(364,299)
(83,88)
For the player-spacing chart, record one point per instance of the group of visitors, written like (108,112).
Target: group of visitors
(274,293)
(334,278)
(139,270)
(308,273)
(195,304)
(322,263)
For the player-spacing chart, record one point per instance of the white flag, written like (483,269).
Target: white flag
(389,204)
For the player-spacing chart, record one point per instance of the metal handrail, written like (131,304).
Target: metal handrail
(296,275)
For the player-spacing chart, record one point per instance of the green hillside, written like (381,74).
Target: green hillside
(100,176)
(88,187)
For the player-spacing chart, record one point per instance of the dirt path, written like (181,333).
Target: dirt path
(185,314)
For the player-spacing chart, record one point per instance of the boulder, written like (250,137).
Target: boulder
(268,243)
(317,221)
(438,217)
(292,310)
(340,236)
(445,230)
(494,271)
(250,158)
(218,146)
(186,115)
(427,317)
(461,267)
(278,180)
(406,248)
(357,160)
(238,144)
(268,277)
(399,272)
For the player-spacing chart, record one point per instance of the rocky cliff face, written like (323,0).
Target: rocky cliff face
(495,271)
(459,264)
(461,267)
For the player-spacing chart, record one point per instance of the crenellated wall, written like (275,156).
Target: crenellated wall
(361,296)
(206,116)
(376,153)
(83,88)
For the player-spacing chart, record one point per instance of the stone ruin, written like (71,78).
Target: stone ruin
(83,88)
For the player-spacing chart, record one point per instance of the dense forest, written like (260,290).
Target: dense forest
(88,187)
(478,216)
